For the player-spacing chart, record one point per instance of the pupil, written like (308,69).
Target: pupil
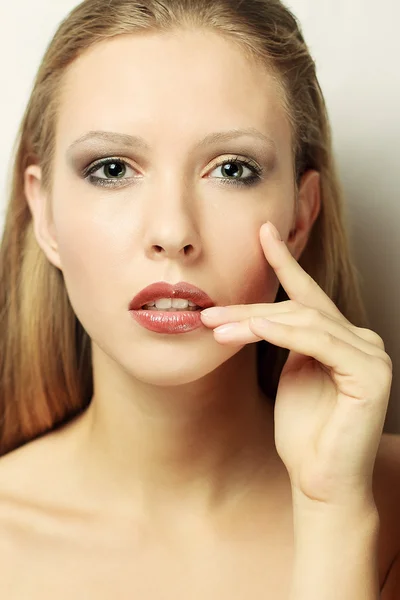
(232,169)
(115,169)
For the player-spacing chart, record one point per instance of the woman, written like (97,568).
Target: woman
(147,452)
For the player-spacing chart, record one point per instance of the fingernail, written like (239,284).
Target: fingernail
(225,329)
(273,231)
(214,312)
(260,321)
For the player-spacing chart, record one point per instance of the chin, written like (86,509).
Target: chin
(178,368)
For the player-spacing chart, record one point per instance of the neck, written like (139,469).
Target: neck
(206,441)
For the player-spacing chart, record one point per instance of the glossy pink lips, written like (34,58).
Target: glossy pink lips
(169,321)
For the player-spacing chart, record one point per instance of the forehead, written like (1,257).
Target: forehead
(179,84)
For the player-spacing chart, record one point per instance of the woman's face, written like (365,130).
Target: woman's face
(124,227)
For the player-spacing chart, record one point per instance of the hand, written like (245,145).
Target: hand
(334,389)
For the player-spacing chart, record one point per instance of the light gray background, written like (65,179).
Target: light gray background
(357,49)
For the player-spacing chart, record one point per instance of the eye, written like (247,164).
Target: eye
(114,170)
(234,171)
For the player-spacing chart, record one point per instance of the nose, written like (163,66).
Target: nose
(171,230)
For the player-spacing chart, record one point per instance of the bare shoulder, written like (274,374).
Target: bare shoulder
(28,466)
(22,472)
(386,486)
(36,477)
(38,504)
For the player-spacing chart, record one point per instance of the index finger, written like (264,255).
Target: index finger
(296,282)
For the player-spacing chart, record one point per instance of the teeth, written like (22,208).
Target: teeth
(189,309)
(164,303)
(180,303)
(171,303)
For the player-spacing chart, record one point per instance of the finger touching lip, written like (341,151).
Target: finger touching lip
(238,333)
(226,314)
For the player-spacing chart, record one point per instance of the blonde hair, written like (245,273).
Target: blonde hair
(45,362)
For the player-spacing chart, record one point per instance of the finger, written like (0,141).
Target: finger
(217,315)
(297,283)
(237,334)
(308,318)
(221,315)
(360,373)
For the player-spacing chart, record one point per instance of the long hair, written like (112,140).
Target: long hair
(45,361)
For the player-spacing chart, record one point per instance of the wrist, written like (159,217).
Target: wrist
(332,526)
(361,507)
(336,553)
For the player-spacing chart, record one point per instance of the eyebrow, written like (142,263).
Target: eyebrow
(123,139)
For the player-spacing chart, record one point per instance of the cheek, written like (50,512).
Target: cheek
(88,261)
(86,236)
(97,253)
(244,275)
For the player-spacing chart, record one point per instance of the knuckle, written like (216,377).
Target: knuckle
(387,361)
(383,368)
(371,336)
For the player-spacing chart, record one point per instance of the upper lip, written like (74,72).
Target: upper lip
(162,289)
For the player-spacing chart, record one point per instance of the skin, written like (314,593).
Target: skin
(112,242)
(170,485)
(190,404)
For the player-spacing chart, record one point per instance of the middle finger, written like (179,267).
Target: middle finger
(239,312)
(240,333)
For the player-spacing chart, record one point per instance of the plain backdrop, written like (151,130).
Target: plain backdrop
(357,48)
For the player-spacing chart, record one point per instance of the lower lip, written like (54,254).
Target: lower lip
(168,322)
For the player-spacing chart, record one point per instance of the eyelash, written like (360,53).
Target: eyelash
(101,182)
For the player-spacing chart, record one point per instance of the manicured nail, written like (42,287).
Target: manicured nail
(273,231)
(226,329)
(215,312)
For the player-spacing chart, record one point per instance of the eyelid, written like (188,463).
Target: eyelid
(256,176)
(102,162)
(238,158)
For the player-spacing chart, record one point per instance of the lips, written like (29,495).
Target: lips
(163,289)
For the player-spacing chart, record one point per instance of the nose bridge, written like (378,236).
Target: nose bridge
(171,217)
